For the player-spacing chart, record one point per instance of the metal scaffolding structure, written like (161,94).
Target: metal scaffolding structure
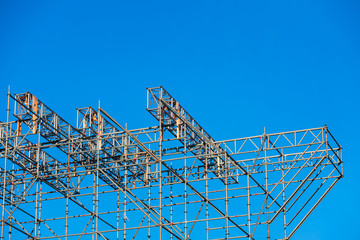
(99,180)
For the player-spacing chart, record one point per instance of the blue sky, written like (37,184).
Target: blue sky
(236,66)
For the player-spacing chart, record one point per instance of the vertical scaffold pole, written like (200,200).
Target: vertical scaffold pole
(171,208)
(37,209)
(148,211)
(125,184)
(207,197)
(5,164)
(117,213)
(226,200)
(159,168)
(248,201)
(266,143)
(283,166)
(67,189)
(185,191)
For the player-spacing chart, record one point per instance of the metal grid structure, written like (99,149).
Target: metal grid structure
(99,180)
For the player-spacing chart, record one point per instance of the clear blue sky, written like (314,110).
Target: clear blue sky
(236,66)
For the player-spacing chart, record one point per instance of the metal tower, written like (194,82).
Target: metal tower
(99,180)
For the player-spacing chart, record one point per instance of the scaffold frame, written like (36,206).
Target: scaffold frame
(100,180)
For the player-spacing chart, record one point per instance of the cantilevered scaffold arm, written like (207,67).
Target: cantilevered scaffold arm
(173,116)
(131,147)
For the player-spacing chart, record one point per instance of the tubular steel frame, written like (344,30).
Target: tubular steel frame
(99,180)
